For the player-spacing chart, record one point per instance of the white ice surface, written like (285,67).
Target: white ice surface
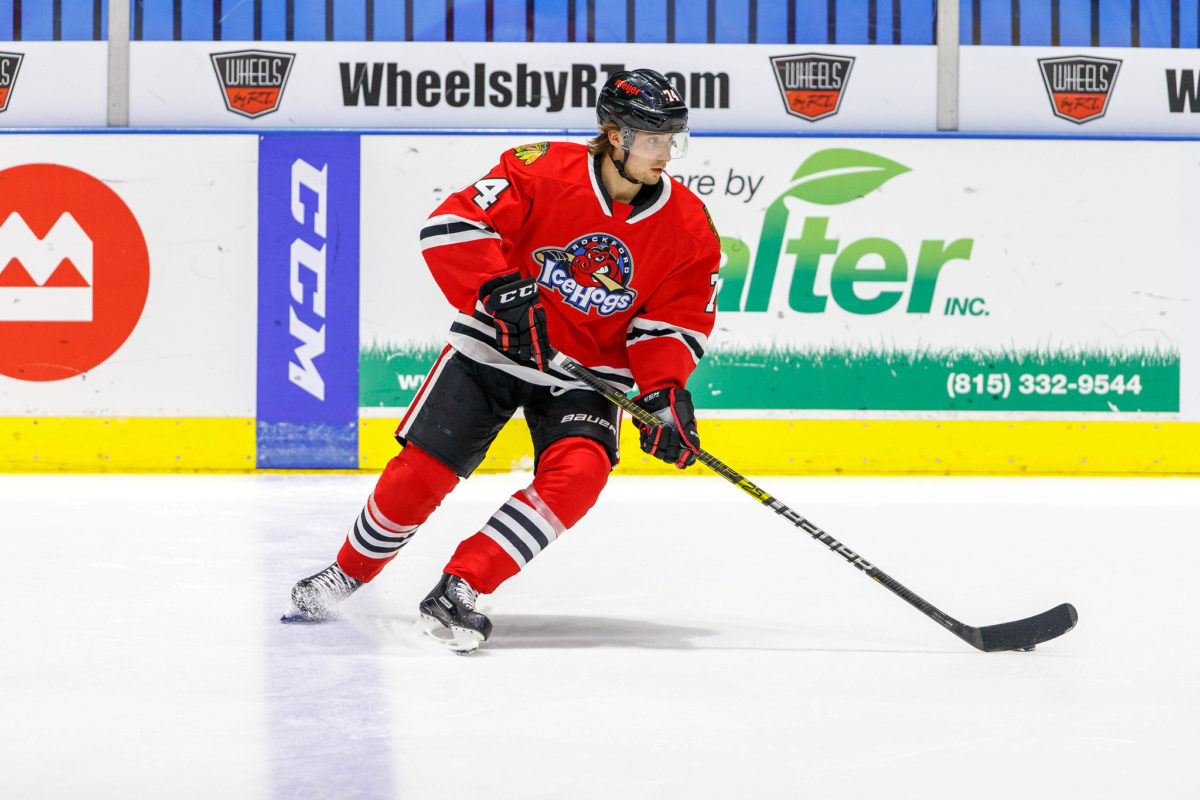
(681,642)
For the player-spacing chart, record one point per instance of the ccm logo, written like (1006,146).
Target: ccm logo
(306,256)
(523,292)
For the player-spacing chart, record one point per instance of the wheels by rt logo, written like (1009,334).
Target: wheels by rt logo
(74,272)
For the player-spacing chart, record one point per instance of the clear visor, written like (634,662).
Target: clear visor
(656,146)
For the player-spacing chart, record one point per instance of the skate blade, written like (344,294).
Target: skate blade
(460,641)
(293,616)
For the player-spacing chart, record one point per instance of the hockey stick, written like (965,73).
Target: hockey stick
(1021,634)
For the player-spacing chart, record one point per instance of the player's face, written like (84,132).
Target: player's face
(655,145)
(649,153)
(646,169)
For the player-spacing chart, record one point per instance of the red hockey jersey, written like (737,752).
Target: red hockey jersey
(629,290)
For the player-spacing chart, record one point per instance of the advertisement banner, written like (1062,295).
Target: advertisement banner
(33,78)
(1078,90)
(1189,170)
(525,85)
(127,276)
(308,194)
(919,277)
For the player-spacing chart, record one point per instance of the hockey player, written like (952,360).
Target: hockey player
(590,251)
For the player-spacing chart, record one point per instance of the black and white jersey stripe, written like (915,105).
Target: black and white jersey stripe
(520,530)
(650,198)
(411,415)
(375,536)
(452,229)
(653,202)
(643,330)
(477,325)
(474,336)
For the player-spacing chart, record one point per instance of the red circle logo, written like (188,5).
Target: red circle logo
(74,272)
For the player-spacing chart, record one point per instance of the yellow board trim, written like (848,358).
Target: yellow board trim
(753,447)
(883,447)
(126,444)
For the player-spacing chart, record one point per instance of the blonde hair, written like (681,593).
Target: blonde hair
(599,144)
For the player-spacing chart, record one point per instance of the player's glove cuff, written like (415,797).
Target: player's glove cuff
(518,317)
(675,440)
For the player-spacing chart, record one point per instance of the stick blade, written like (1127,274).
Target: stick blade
(1024,634)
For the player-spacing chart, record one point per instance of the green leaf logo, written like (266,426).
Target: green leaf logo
(829,178)
(839,175)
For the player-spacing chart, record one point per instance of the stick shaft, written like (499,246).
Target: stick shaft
(737,479)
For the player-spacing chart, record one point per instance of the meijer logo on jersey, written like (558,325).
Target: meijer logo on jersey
(1079,86)
(10,64)
(252,81)
(812,84)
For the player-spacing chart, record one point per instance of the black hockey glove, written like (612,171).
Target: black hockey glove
(676,440)
(519,318)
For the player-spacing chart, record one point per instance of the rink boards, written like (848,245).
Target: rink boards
(918,304)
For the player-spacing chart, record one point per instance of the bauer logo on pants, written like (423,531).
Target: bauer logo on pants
(1079,86)
(252,81)
(812,84)
(74,272)
(10,64)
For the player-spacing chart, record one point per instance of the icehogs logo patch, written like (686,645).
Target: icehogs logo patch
(252,81)
(10,63)
(812,84)
(530,153)
(1079,86)
(591,272)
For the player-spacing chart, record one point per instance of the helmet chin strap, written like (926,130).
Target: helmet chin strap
(620,165)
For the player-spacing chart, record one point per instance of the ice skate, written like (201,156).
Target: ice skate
(451,604)
(314,597)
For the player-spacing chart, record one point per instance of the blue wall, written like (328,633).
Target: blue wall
(1080,23)
(651,21)
(1066,23)
(50,20)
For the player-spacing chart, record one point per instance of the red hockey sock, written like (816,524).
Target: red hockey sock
(570,475)
(410,488)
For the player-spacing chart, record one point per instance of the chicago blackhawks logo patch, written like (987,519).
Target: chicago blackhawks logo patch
(530,153)
(712,227)
(591,272)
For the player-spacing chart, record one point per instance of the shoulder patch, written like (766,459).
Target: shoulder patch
(530,153)
(711,226)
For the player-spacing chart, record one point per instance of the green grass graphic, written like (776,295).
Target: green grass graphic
(389,375)
(1064,378)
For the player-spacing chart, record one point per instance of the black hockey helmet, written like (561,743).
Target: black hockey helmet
(642,100)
